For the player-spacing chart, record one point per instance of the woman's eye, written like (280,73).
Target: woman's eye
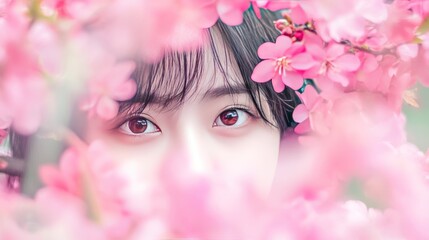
(231,117)
(138,125)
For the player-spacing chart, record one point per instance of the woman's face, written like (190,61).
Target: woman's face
(215,129)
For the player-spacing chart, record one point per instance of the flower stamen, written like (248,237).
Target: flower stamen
(282,65)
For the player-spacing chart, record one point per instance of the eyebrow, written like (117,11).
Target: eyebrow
(225,90)
(212,93)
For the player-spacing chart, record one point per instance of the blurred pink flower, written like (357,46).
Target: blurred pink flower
(126,26)
(79,11)
(44,218)
(408,51)
(65,177)
(375,73)
(389,76)
(334,63)
(23,90)
(401,25)
(108,84)
(85,178)
(301,114)
(3,135)
(78,168)
(295,10)
(420,62)
(417,6)
(344,19)
(231,11)
(283,63)
(25,103)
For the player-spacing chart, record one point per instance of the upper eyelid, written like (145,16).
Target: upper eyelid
(245,108)
(119,126)
(128,117)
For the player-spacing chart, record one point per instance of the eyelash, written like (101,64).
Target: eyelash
(125,128)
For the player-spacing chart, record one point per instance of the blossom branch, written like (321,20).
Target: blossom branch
(286,27)
(11,166)
(384,51)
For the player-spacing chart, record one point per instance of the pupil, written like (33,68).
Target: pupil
(137,125)
(229,117)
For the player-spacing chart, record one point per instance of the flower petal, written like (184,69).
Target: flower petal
(302,61)
(407,51)
(316,51)
(267,50)
(338,77)
(347,62)
(209,17)
(264,71)
(370,63)
(107,108)
(293,80)
(300,113)
(125,91)
(334,50)
(232,17)
(283,43)
(52,177)
(310,96)
(270,50)
(278,84)
(118,74)
(298,15)
(303,127)
(5,121)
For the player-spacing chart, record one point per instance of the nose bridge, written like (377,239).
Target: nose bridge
(192,143)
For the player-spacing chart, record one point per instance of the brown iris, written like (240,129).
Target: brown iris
(229,117)
(137,125)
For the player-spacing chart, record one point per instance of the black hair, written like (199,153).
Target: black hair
(177,75)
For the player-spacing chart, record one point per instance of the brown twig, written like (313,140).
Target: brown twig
(12,166)
(384,51)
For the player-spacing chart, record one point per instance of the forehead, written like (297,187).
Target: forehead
(220,69)
(179,77)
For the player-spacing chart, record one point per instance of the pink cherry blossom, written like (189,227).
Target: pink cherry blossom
(21,82)
(301,114)
(334,62)
(283,63)
(389,76)
(75,164)
(108,84)
(85,179)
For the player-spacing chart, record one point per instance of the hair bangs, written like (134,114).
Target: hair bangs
(167,83)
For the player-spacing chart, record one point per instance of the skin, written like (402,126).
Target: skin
(249,147)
